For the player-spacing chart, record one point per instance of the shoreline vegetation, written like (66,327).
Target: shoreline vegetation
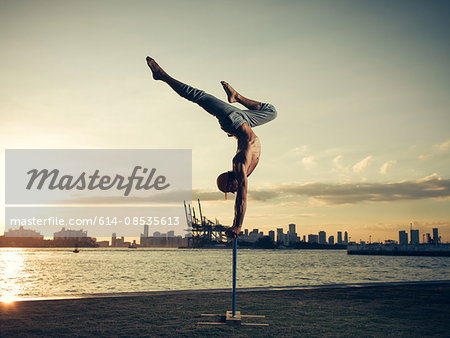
(403,309)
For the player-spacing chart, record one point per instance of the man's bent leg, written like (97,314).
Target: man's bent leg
(210,103)
(234,96)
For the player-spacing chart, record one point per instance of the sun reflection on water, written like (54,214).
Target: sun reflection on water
(12,270)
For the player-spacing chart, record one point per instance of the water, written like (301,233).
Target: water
(60,272)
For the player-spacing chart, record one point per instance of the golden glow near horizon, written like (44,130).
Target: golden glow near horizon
(361,140)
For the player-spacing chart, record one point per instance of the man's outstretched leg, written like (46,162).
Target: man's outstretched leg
(160,74)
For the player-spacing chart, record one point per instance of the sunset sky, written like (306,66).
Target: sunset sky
(362,88)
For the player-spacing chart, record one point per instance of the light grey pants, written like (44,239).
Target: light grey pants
(230,117)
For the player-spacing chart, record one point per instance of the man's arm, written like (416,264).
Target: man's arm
(240,204)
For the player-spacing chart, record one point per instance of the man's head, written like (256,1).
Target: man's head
(226,182)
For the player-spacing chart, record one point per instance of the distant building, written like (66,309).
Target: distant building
(118,242)
(436,236)
(145,230)
(272,235)
(164,242)
(63,233)
(304,238)
(22,238)
(339,237)
(345,237)
(246,232)
(103,244)
(402,237)
(21,232)
(171,233)
(313,238)
(280,236)
(331,240)
(253,236)
(292,234)
(414,236)
(322,237)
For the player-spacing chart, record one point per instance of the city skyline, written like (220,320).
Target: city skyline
(276,234)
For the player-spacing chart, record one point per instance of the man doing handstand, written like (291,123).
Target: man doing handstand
(235,122)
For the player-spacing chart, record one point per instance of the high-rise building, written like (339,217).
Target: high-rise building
(339,237)
(272,235)
(171,233)
(146,230)
(292,233)
(345,237)
(292,228)
(435,235)
(280,235)
(246,232)
(322,237)
(414,236)
(402,237)
(331,240)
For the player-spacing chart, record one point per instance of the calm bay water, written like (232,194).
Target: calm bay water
(60,272)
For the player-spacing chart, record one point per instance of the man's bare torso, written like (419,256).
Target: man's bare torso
(249,149)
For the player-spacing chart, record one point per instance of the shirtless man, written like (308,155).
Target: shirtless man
(235,122)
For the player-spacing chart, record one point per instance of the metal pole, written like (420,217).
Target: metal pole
(234,276)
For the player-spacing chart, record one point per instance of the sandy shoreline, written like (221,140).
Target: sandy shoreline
(398,309)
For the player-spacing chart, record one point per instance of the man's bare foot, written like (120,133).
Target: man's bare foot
(158,72)
(233,232)
(232,94)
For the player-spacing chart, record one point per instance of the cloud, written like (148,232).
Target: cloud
(352,193)
(431,177)
(444,146)
(308,162)
(336,162)
(441,147)
(424,157)
(320,193)
(361,165)
(385,167)
(301,150)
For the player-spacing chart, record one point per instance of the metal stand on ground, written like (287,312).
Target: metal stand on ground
(233,317)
